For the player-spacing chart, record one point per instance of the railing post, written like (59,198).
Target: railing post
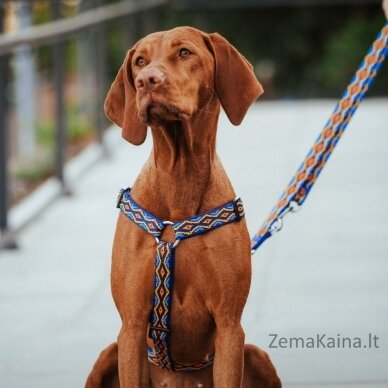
(60,111)
(3,151)
(100,69)
(7,239)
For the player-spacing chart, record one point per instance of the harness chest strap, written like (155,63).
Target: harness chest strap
(232,211)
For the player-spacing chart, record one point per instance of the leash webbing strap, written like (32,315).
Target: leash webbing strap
(233,211)
(300,185)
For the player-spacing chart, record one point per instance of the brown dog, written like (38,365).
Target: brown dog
(174,82)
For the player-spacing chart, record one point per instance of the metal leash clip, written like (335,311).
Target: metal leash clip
(277,223)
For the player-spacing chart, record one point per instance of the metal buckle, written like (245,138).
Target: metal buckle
(159,329)
(154,329)
(120,197)
(236,203)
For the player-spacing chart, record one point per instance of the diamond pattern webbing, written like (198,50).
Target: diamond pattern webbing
(164,266)
(160,317)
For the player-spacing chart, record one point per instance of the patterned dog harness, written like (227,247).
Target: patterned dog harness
(232,211)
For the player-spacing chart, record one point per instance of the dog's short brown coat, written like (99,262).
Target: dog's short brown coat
(175,82)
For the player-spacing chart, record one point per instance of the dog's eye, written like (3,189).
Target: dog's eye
(140,61)
(184,52)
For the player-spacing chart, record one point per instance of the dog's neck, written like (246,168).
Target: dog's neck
(183,148)
(183,155)
(179,176)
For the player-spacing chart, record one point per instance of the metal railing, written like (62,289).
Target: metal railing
(55,34)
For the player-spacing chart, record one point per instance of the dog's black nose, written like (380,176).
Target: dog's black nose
(149,79)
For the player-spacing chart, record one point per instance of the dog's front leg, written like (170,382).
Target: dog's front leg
(229,356)
(133,366)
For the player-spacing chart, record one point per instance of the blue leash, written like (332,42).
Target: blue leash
(302,182)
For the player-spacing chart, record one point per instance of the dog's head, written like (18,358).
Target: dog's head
(172,75)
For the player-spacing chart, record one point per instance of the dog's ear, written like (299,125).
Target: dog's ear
(120,104)
(235,82)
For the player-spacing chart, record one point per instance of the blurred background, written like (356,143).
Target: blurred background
(54,76)
(62,164)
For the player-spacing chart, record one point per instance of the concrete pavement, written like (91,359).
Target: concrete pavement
(324,276)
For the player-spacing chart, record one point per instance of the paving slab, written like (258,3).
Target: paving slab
(325,274)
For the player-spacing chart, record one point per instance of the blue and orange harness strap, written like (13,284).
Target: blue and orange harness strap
(300,185)
(232,211)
